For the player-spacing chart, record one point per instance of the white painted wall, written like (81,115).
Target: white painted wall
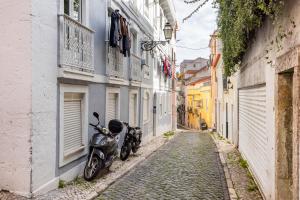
(219,94)
(44,94)
(15,96)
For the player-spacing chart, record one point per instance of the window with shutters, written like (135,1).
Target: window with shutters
(112,104)
(161,106)
(146,107)
(169,103)
(165,103)
(73,123)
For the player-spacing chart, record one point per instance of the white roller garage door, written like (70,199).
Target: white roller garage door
(253,140)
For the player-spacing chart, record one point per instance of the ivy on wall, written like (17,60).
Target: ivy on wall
(237,22)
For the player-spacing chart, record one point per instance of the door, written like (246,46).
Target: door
(154,113)
(253,136)
(227,120)
(112,107)
(133,110)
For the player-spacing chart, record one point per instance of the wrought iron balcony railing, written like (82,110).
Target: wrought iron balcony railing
(115,59)
(76,45)
(135,68)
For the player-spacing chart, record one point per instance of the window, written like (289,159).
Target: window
(199,104)
(134,43)
(112,104)
(161,20)
(73,123)
(161,106)
(155,17)
(147,6)
(73,8)
(165,103)
(169,103)
(146,107)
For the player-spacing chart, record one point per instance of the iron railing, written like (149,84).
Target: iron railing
(135,68)
(115,64)
(76,45)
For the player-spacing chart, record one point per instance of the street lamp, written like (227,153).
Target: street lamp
(168,31)
(151,44)
(229,84)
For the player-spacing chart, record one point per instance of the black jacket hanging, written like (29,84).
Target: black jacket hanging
(115,32)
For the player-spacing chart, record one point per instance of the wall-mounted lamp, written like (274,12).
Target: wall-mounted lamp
(151,44)
(229,84)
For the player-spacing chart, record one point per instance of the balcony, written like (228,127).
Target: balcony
(114,67)
(76,45)
(135,68)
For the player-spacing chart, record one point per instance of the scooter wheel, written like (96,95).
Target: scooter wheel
(91,172)
(125,151)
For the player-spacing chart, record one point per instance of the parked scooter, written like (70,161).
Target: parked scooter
(103,148)
(132,141)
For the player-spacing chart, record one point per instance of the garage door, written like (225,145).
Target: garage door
(133,110)
(253,140)
(112,107)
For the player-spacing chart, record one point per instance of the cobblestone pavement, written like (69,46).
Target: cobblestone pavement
(188,167)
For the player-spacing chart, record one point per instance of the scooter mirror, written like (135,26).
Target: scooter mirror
(96,115)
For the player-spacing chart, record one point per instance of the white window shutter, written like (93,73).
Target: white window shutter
(112,106)
(72,125)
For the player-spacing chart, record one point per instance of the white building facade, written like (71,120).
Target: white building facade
(59,69)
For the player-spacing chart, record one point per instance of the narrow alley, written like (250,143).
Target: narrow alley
(188,167)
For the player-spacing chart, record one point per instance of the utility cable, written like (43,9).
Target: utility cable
(195,49)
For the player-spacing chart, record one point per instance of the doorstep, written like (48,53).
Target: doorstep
(81,189)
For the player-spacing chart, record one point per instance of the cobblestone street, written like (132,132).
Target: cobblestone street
(188,167)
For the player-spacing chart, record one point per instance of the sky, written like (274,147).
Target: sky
(195,32)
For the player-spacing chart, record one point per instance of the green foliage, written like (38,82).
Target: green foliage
(237,21)
(61,184)
(169,134)
(243,163)
(251,186)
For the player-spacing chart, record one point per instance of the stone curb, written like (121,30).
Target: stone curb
(100,187)
(231,190)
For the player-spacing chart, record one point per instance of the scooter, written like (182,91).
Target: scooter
(132,141)
(103,148)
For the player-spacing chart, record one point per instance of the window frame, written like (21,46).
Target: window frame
(82,151)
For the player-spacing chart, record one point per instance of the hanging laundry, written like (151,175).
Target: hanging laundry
(126,42)
(165,66)
(115,29)
(170,70)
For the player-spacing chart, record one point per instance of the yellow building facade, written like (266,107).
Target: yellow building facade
(199,104)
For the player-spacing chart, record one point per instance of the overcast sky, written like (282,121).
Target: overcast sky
(195,32)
